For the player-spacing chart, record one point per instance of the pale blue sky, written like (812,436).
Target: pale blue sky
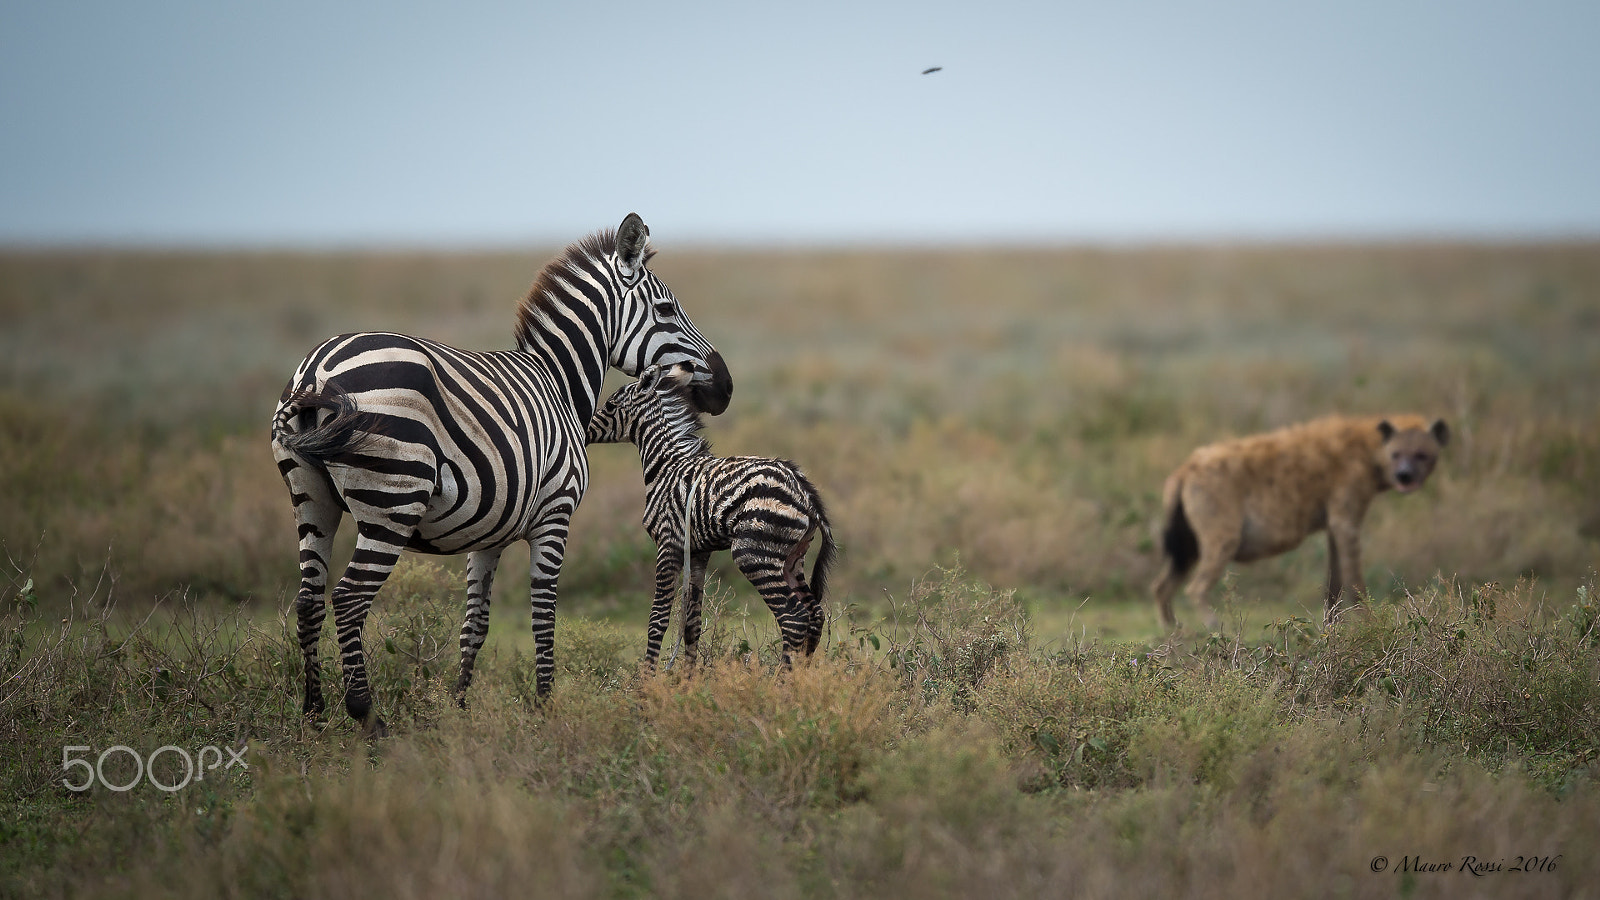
(500,123)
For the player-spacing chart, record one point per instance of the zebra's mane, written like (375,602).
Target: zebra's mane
(586,253)
(682,423)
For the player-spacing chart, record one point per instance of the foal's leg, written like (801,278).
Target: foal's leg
(794,575)
(762,564)
(691,607)
(669,565)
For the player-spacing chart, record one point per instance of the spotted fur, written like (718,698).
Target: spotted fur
(1259,496)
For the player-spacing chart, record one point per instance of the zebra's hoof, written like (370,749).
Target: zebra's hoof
(315,716)
(374,728)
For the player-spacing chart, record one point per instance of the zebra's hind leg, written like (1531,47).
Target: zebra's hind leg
(794,577)
(481,567)
(378,546)
(818,616)
(317,515)
(764,569)
(691,608)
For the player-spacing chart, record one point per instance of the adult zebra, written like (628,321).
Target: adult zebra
(440,450)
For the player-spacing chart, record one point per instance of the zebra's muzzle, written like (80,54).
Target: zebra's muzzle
(712,391)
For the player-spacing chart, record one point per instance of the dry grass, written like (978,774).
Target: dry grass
(936,752)
(994,713)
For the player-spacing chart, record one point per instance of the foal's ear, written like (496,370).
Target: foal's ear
(676,375)
(651,378)
(633,237)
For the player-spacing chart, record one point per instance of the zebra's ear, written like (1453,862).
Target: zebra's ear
(633,235)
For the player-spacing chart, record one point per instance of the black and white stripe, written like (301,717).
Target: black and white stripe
(440,450)
(765,510)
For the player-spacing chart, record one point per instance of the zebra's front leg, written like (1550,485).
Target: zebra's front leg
(481,567)
(546,549)
(691,607)
(669,565)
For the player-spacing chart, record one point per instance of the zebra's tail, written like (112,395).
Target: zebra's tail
(829,549)
(349,430)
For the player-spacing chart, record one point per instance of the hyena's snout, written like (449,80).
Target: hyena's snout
(1410,473)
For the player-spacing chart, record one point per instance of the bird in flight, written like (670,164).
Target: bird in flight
(932,70)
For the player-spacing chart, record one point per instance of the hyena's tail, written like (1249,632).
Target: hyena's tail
(348,430)
(1179,545)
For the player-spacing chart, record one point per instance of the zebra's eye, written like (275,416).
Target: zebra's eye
(665,308)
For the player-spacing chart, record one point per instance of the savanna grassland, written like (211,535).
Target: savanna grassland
(995,712)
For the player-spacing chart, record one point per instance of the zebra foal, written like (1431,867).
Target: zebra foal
(439,450)
(764,510)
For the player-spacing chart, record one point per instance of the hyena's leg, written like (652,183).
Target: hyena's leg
(1344,552)
(1164,587)
(1335,573)
(317,514)
(762,564)
(481,567)
(1207,572)
(669,566)
(1218,528)
(691,607)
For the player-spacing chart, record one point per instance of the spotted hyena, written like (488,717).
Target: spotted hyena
(1259,496)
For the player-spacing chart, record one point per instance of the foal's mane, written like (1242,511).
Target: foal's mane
(683,422)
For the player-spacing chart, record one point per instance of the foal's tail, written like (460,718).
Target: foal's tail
(829,549)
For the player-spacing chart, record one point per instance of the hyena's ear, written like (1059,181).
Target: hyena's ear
(1385,429)
(1440,432)
(632,238)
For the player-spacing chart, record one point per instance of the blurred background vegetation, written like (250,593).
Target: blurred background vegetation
(1013,410)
